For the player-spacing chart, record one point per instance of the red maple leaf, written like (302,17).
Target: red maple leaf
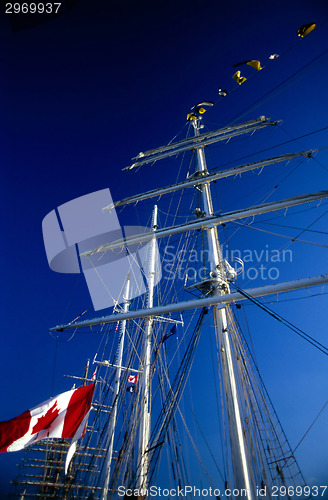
(46,420)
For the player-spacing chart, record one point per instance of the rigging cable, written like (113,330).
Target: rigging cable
(296,298)
(173,435)
(292,239)
(225,433)
(176,388)
(222,442)
(314,421)
(255,190)
(296,139)
(260,408)
(273,147)
(293,227)
(296,212)
(184,422)
(206,442)
(195,448)
(54,368)
(295,238)
(284,247)
(284,321)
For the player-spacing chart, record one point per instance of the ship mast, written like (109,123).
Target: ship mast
(238,446)
(117,387)
(144,436)
(247,466)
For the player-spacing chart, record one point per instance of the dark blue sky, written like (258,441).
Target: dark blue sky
(82,94)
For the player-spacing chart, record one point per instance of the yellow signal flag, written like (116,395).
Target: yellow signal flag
(306,29)
(191,116)
(255,64)
(239,79)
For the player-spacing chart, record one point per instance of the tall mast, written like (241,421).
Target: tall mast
(118,362)
(242,476)
(144,437)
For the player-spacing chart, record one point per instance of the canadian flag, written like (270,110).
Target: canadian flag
(133,379)
(64,416)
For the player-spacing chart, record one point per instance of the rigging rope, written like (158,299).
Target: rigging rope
(174,395)
(292,239)
(272,147)
(314,421)
(206,442)
(295,238)
(284,321)
(260,419)
(222,442)
(293,227)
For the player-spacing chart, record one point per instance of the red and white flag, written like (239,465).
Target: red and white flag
(133,379)
(63,416)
